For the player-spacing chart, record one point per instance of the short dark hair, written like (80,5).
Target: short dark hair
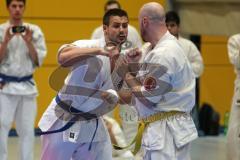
(172,16)
(110,2)
(113,12)
(8,2)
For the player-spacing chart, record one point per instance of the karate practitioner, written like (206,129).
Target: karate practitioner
(164,91)
(189,48)
(85,139)
(22,50)
(233,135)
(133,40)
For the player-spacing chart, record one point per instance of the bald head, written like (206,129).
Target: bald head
(152,22)
(154,11)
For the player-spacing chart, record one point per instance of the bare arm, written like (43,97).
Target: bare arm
(134,88)
(125,96)
(131,66)
(146,90)
(133,83)
(71,54)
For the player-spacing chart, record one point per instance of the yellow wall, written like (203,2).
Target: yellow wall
(216,83)
(64,21)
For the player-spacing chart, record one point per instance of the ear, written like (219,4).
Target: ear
(145,21)
(105,30)
(104,27)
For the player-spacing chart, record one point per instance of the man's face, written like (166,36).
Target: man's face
(117,30)
(16,9)
(173,28)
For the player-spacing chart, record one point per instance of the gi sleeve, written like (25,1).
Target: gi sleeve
(234,51)
(196,60)
(39,44)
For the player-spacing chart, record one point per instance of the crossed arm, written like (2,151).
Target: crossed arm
(70,54)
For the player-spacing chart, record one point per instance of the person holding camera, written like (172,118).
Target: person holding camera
(22,49)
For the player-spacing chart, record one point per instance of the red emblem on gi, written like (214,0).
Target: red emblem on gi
(150,83)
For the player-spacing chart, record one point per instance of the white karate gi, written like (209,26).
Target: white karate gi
(129,113)
(233,135)
(169,139)
(129,127)
(62,146)
(196,61)
(193,55)
(18,100)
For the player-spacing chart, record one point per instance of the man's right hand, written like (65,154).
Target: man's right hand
(133,55)
(112,50)
(103,52)
(110,96)
(8,35)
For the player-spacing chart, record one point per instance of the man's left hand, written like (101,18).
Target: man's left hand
(28,35)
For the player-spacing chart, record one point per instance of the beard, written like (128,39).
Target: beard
(143,35)
(118,40)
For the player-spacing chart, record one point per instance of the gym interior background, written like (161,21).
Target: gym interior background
(214,21)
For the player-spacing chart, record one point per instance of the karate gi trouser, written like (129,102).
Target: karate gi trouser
(169,152)
(22,109)
(233,139)
(129,127)
(54,148)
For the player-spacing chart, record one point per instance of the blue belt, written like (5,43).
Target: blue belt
(72,121)
(5,78)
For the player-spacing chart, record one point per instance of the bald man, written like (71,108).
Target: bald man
(164,91)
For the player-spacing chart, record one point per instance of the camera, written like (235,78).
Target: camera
(18,29)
